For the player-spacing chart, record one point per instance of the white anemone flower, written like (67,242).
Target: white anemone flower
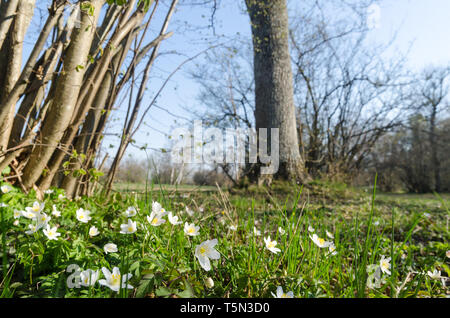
(281,230)
(435,274)
(173,219)
(189,211)
(330,235)
(156,218)
(93,231)
(320,242)
(233,227)
(83,215)
(447,254)
(89,277)
(55,211)
(128,228)
(32,212)
(49,191)
(157,208)
(131,211)
(206,251)
(191,229)
(115,280)
(6,188)
(110,248)
(256,231)
(385,265)
(311,229)
(42,218)
(32,229)
(332,249)
(18,213)
(51,232)
(281,294)
(270,245)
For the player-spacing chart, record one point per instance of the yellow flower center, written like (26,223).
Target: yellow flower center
(35,208)
(202,250)
(155,220)
(130,229)
(191,230)
(115,279)
(271,244)
(321,241)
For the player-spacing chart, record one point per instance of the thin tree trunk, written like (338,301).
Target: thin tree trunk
(18,29)
(66,96)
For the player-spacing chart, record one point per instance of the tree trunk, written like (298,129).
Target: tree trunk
(66,95)
(17,32)
(274,94)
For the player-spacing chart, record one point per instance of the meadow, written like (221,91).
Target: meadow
(324,240)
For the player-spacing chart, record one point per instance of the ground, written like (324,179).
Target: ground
(324,240)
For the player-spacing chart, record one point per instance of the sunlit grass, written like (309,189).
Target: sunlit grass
(357,245)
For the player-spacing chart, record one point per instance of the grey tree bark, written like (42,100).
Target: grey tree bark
(274,94)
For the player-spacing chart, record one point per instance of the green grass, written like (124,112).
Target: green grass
(412,231)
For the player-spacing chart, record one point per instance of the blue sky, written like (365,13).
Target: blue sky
(421,28)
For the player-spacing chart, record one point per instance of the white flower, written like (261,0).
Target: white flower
(83,215)
(42,218)
(32,229)
(129,228)
(89,277)
(256,232)
(93,231)
(206,251)
(447,254)
(6,188)
(427,215)
(189,211)
(281,294)
(209,282)
(18,213)
(51,233)
(31,212)
(435,274)
(332,249)
(374,279)
(110,248)
(131,211)
(233,227)
(157,208)
(385,265)
(173,219)
(311,229)
(281,230)
(331,236)
(55,211)
(191,229)
(320,242)
(156,219)
(61,196)
(3,205)
(114,280)
(270,245)
(49,191)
